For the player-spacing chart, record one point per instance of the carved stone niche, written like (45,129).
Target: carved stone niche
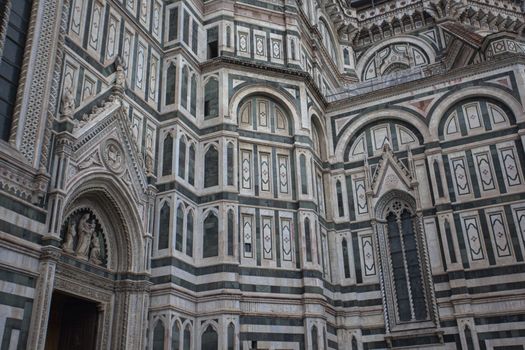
(83,237)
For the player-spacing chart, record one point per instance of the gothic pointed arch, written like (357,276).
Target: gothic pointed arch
(405,282)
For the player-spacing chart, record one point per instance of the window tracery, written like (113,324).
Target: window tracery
(401,243)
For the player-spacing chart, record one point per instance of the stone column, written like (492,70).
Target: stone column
(131,312)
(43,295)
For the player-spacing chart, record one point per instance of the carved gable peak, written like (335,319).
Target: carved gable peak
(391,173)
(111,140)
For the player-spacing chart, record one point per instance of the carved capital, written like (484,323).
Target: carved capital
(50,253)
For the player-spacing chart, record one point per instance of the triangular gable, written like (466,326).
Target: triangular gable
(104,140)
(391,174)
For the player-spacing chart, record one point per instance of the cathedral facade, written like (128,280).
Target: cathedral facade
(262,174)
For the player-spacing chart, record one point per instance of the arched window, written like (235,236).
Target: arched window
(409,292)
(184,87)
(346,263)
(211,167)
(171,78)
(308,239)
(340,205)
(164,226)
(187,337)
(346,56)
(468,338)
(189,233)
(437,176)
(354,343)
(193,107)
(229,165)
(210,242)
(210,339)
(328,42)
(179,228)
(191,165)
(175,336)
(182,157)
(313,334)
(231,229)
(211,99)
(167,155)
(231,336)
(158,336)
(302,165)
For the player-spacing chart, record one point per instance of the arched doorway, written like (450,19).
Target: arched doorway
(100,290)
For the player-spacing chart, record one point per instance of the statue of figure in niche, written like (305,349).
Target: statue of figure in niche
(95,255)
(84,238)
(70,236)
(85,232)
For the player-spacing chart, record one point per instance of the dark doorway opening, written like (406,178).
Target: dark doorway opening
(72,323)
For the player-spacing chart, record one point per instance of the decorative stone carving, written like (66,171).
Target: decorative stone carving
(113,156)
(68,103)
(120,74)
(84,238)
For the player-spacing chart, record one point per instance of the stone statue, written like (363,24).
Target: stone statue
(95,254)
(148,161)
(120,75)
(70,236)
(68,103)
(85,232)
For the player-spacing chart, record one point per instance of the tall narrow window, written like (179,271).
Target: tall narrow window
(191,165)
(171,78)
(413,266)
(211,167)
(313,334)
(406,266)
(174,24)
(195,37)
(468,338)
(346,56)
(175,336)
(396,251)
(164,226)
(167,155)
(346,263)
(211,236)
(158,336)
(439,180)
(186,28)
(187,337)
(189,234)
(302,165)
(354,343)
(210,339)
(228,36)
(231,229)
(11,61)
(308,240)
(193,107)
(184,87)
(229,155)
(340,205)
(212,42)
(231,337)
(292,49)
(450,242)
(182,157)
(179,228)
(211,99)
